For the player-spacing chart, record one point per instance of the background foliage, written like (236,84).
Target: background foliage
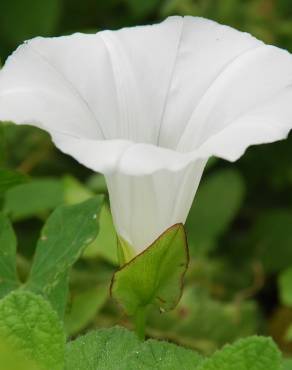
(240,226)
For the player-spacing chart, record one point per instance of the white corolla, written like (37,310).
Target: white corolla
(147,106)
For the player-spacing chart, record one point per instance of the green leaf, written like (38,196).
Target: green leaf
(287,364)
(11,360)
(163,356)
(74,191)
(105,244)
(288,334)
(3,152)
(117,348)
(33,198)
(9,179)
(83,308)
(8,275)
(253,353)
(58,295)
(32,328)
(216,203)
(155,276)
(181,7)
(272,236)
(142,8)
(105,349)
(29,19)
(206,322)
(65,235)
(285,286)
(97,183)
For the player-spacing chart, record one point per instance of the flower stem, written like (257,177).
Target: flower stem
(140,323)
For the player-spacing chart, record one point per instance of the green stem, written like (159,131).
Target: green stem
(140,323)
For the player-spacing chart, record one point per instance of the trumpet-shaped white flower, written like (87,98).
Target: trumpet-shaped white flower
(147,106)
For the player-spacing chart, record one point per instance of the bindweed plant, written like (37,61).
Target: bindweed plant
(32,328)
(149,125)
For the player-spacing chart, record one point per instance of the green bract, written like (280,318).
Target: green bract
(154,276)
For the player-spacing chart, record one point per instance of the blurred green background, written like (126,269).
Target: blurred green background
(240,227)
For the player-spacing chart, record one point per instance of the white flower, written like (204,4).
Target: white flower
(147,106)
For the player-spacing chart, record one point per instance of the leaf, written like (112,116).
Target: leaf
(74,191)
(155,276)
(105,244)
(105,349)
(207,322)
(65,235)
(142,8)
(3,151)
(10,360)
(32,328)
(117,348)
(288,334)
(97,183)
(272,236)
(253,353)
(29,17)
(163,356)
(287,364)
(181,7)
(216,203)
(285,286)
(33,198)
(8,275)
(9,179)
(83,308)
(58,296)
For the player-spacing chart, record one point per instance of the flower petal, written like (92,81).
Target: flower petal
(99,155)
(123,156)
(206,50)
(253,79)
(95,85)
(32,90)
(143,59)
(266,123)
